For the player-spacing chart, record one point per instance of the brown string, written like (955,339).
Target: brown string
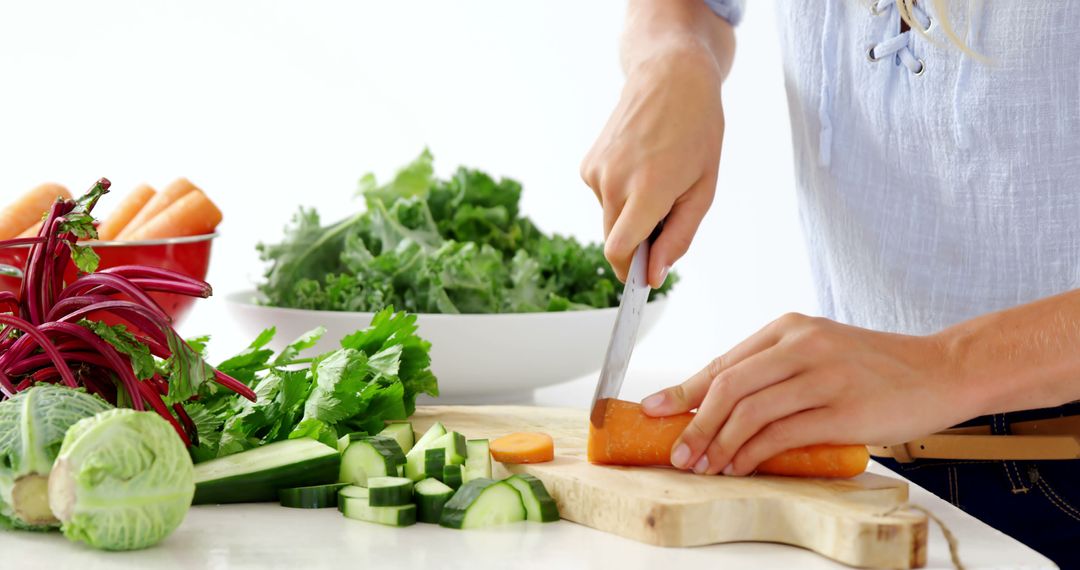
(950,538)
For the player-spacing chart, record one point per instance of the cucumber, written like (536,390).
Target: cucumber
(344,441)
(311,497)
(454,444)
(353,492)
(256,475)
(452,475)
(359,509)
(478,462)
(375,456)
(431,495)
(389,491)
(539,506)
(482,503)
(402,433)
(414,460)
(434,461)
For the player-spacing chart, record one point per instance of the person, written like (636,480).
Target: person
(937,149)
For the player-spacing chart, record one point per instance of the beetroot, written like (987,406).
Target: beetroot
(54,332)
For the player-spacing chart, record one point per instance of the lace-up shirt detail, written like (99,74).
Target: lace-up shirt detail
(933,187)
(899,45)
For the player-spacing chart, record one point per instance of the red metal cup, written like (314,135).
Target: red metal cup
(186,255)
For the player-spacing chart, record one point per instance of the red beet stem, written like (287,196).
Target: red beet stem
(39,337)
(118,364)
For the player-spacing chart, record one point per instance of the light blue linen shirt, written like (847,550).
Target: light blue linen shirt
(934,187)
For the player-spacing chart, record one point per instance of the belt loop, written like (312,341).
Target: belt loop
(1000,425)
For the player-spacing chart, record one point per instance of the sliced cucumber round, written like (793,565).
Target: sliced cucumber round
(431,496)
(403,515)
(482,503)
(373,456)
(311,497)
(539,506)
(389,491)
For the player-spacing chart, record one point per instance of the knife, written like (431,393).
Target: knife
(627,319)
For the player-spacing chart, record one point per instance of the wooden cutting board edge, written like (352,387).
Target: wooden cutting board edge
(864,529)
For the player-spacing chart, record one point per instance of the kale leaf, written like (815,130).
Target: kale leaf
(428,245)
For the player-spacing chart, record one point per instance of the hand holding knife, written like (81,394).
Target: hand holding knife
(624,334)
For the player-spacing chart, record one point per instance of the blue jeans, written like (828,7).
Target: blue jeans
(1036,502)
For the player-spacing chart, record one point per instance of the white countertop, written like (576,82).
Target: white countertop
(268,536)
(240,537)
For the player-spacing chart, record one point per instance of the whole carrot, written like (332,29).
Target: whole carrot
(193,214)
(28,209)
(630,437)
(176,190)
(125,212)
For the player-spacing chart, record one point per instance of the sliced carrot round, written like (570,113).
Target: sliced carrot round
(524,447)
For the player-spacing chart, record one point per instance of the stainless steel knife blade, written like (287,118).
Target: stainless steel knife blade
(624,334)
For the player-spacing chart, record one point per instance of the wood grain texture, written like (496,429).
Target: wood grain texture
(852,521)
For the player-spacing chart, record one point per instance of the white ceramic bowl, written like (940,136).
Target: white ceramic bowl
(477,358)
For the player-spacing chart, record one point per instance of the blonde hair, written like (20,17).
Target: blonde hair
(941,10)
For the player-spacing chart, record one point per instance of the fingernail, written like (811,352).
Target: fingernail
(702,464)
(680,456)
(663,273)
(729,470)
(653,402)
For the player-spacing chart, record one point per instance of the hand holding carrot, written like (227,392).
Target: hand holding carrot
(802,381)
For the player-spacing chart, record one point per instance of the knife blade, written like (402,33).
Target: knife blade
(624,333)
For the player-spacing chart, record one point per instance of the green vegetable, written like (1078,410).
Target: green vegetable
(310,497)
(539,506)
(257,475)
(482,503)
(123,480)
(428,245)
(32,427)
(373,378)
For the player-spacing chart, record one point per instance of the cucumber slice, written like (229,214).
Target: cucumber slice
(311,497)
(257,474)
(344,441)
(414,460)
(353,492)
(359,509)
(454,444)
(452,475)
(539,506)
(431,495)
(482,503)
(402,433)
(478,462)
(375,456)
(389,491)
(434,461)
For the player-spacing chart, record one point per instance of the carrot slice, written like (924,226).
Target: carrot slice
(174,191)
(29,208)
(192,215)
(525,447)
(125,212)
(629,437)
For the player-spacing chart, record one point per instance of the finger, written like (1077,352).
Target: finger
(688,395)
(635,221)
(756,411)
(804,428)
(590,174)
(680,226)
(726,390)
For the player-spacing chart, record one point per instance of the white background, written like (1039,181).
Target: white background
(269,105)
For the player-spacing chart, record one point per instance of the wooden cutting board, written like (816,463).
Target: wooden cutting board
(853,521)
